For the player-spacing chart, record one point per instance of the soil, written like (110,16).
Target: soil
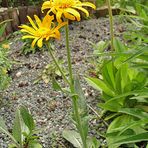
(51,109)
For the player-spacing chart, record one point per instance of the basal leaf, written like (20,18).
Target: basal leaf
(82,105)
(73,137)
(27,118)
(17,128)
(134,138)
(134,112)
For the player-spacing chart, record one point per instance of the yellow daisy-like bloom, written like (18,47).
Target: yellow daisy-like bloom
(68,8)
(41,30)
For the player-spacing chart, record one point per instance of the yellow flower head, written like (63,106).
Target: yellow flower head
(5,46)
(68,8)
(41,30)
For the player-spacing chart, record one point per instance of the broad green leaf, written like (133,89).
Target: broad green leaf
(27,118)
(135,55)
(137,92)
(124,76)
(93,143)
(118,45)
(100,85)
(108,75)
(100,46)
(119,123)
(34,144)
(73,137)
(134,112)
(133,124)
(118,80)
(17,128)
(134,138)
(113,106)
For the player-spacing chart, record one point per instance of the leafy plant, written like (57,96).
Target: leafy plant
(5,63)
(23,133)
(124,96)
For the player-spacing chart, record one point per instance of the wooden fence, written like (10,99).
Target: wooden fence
(18,16)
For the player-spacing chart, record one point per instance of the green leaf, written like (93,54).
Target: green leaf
(119,123)
(100,85)
(73,137)
(27,118)
(17,128)
(118,45)
(108,75)
(82,105)
(93,143)
(134,112)
(34,144)
(113,106)
(134,124)
(134,138)
(118,80)
(3,129)
(100,46)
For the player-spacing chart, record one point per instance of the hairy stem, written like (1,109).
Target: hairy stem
(68,54)
(56,63)
(74,98)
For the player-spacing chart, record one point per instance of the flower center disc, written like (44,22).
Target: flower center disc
(63,6)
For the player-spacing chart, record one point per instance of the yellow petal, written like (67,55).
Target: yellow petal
(27,37)
(84,10)
(87,4)
(69,16)
(73,12)
(46,5)
(40,42)
(61,25)
(38,21)
(47,20)
(34,41)
(58,16)
(32,23)
(27,28)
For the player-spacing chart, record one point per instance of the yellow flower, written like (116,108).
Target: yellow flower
(41,30)
(68,8)
(5,46)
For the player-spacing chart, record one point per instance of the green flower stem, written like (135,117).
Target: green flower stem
(74,98)
(56,63)
(68,54)
(111,24)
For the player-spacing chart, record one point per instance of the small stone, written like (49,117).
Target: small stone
(22,84)
(18,74)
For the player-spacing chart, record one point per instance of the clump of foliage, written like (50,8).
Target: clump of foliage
(124,94)
(24,132)
(5,63)
(122,80)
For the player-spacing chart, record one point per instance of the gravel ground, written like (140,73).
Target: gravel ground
(51,109)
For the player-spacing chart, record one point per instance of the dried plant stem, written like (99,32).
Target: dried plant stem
(111,24)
